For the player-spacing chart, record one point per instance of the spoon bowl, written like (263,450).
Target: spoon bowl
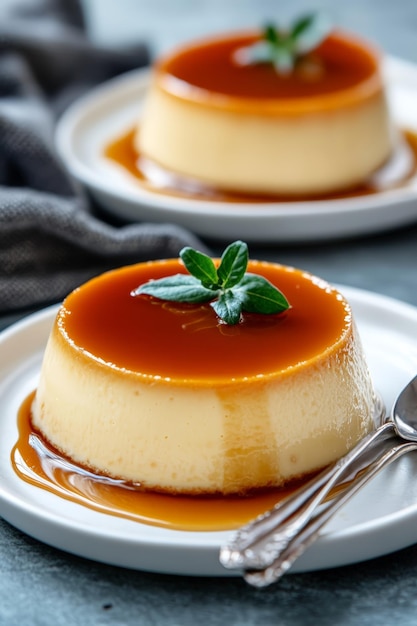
(404,412)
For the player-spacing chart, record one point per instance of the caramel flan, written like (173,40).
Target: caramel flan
(322,128)
(168,396)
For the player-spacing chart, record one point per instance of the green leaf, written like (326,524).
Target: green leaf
(261,296)
(230,290)
(228,307)
(302,24)
(271,34)
(283,48)
(178,288)
(258,53)
(283,61)
(200,265)
(311,35)
(233,264)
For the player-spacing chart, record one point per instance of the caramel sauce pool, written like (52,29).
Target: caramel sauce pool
(39,464)
(122,154)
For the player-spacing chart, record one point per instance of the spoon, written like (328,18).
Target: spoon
(266,547)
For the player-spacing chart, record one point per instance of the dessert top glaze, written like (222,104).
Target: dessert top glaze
(341,70)
(185,342)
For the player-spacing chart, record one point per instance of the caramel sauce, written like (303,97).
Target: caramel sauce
(39,464)
(122,154)
(187,342)
(342,63)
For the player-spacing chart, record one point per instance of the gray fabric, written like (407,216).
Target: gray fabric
(51,239)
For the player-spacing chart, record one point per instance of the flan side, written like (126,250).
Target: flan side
(299,155)
(204,434)
(292,145)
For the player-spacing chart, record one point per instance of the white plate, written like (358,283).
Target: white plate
(113,108)
(380,519)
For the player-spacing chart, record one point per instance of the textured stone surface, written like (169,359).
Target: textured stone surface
(41,586)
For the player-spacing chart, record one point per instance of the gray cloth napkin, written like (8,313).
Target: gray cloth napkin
(51,239)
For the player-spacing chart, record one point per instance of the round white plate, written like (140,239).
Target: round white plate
(113,108)
(380,519)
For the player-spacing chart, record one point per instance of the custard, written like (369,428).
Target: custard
(167,396)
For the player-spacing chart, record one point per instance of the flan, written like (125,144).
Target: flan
(167,396)
(323,128)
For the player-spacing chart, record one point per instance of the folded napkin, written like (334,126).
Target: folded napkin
(51,239)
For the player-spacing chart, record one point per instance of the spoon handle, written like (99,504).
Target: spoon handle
(257,544)
(310,532)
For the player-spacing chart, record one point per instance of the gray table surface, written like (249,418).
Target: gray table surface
(42,585)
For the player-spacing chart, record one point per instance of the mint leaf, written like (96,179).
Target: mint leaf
(284,48)
(233,264)
(177,288)
(309,32)
(199,265)
(271,35)
(229,289)
(301,25)
(261,296)
(283,60)
(228,307)
(259,52)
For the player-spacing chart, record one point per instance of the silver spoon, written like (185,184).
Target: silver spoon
(310,532)
(279,536)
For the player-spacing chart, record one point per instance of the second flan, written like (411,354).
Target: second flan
(324,127)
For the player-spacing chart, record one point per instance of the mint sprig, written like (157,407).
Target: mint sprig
(285,48)
(229,288)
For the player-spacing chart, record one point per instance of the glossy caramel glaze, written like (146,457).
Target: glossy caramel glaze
(341,63)
(40,464)
(122,153)
(186,342)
